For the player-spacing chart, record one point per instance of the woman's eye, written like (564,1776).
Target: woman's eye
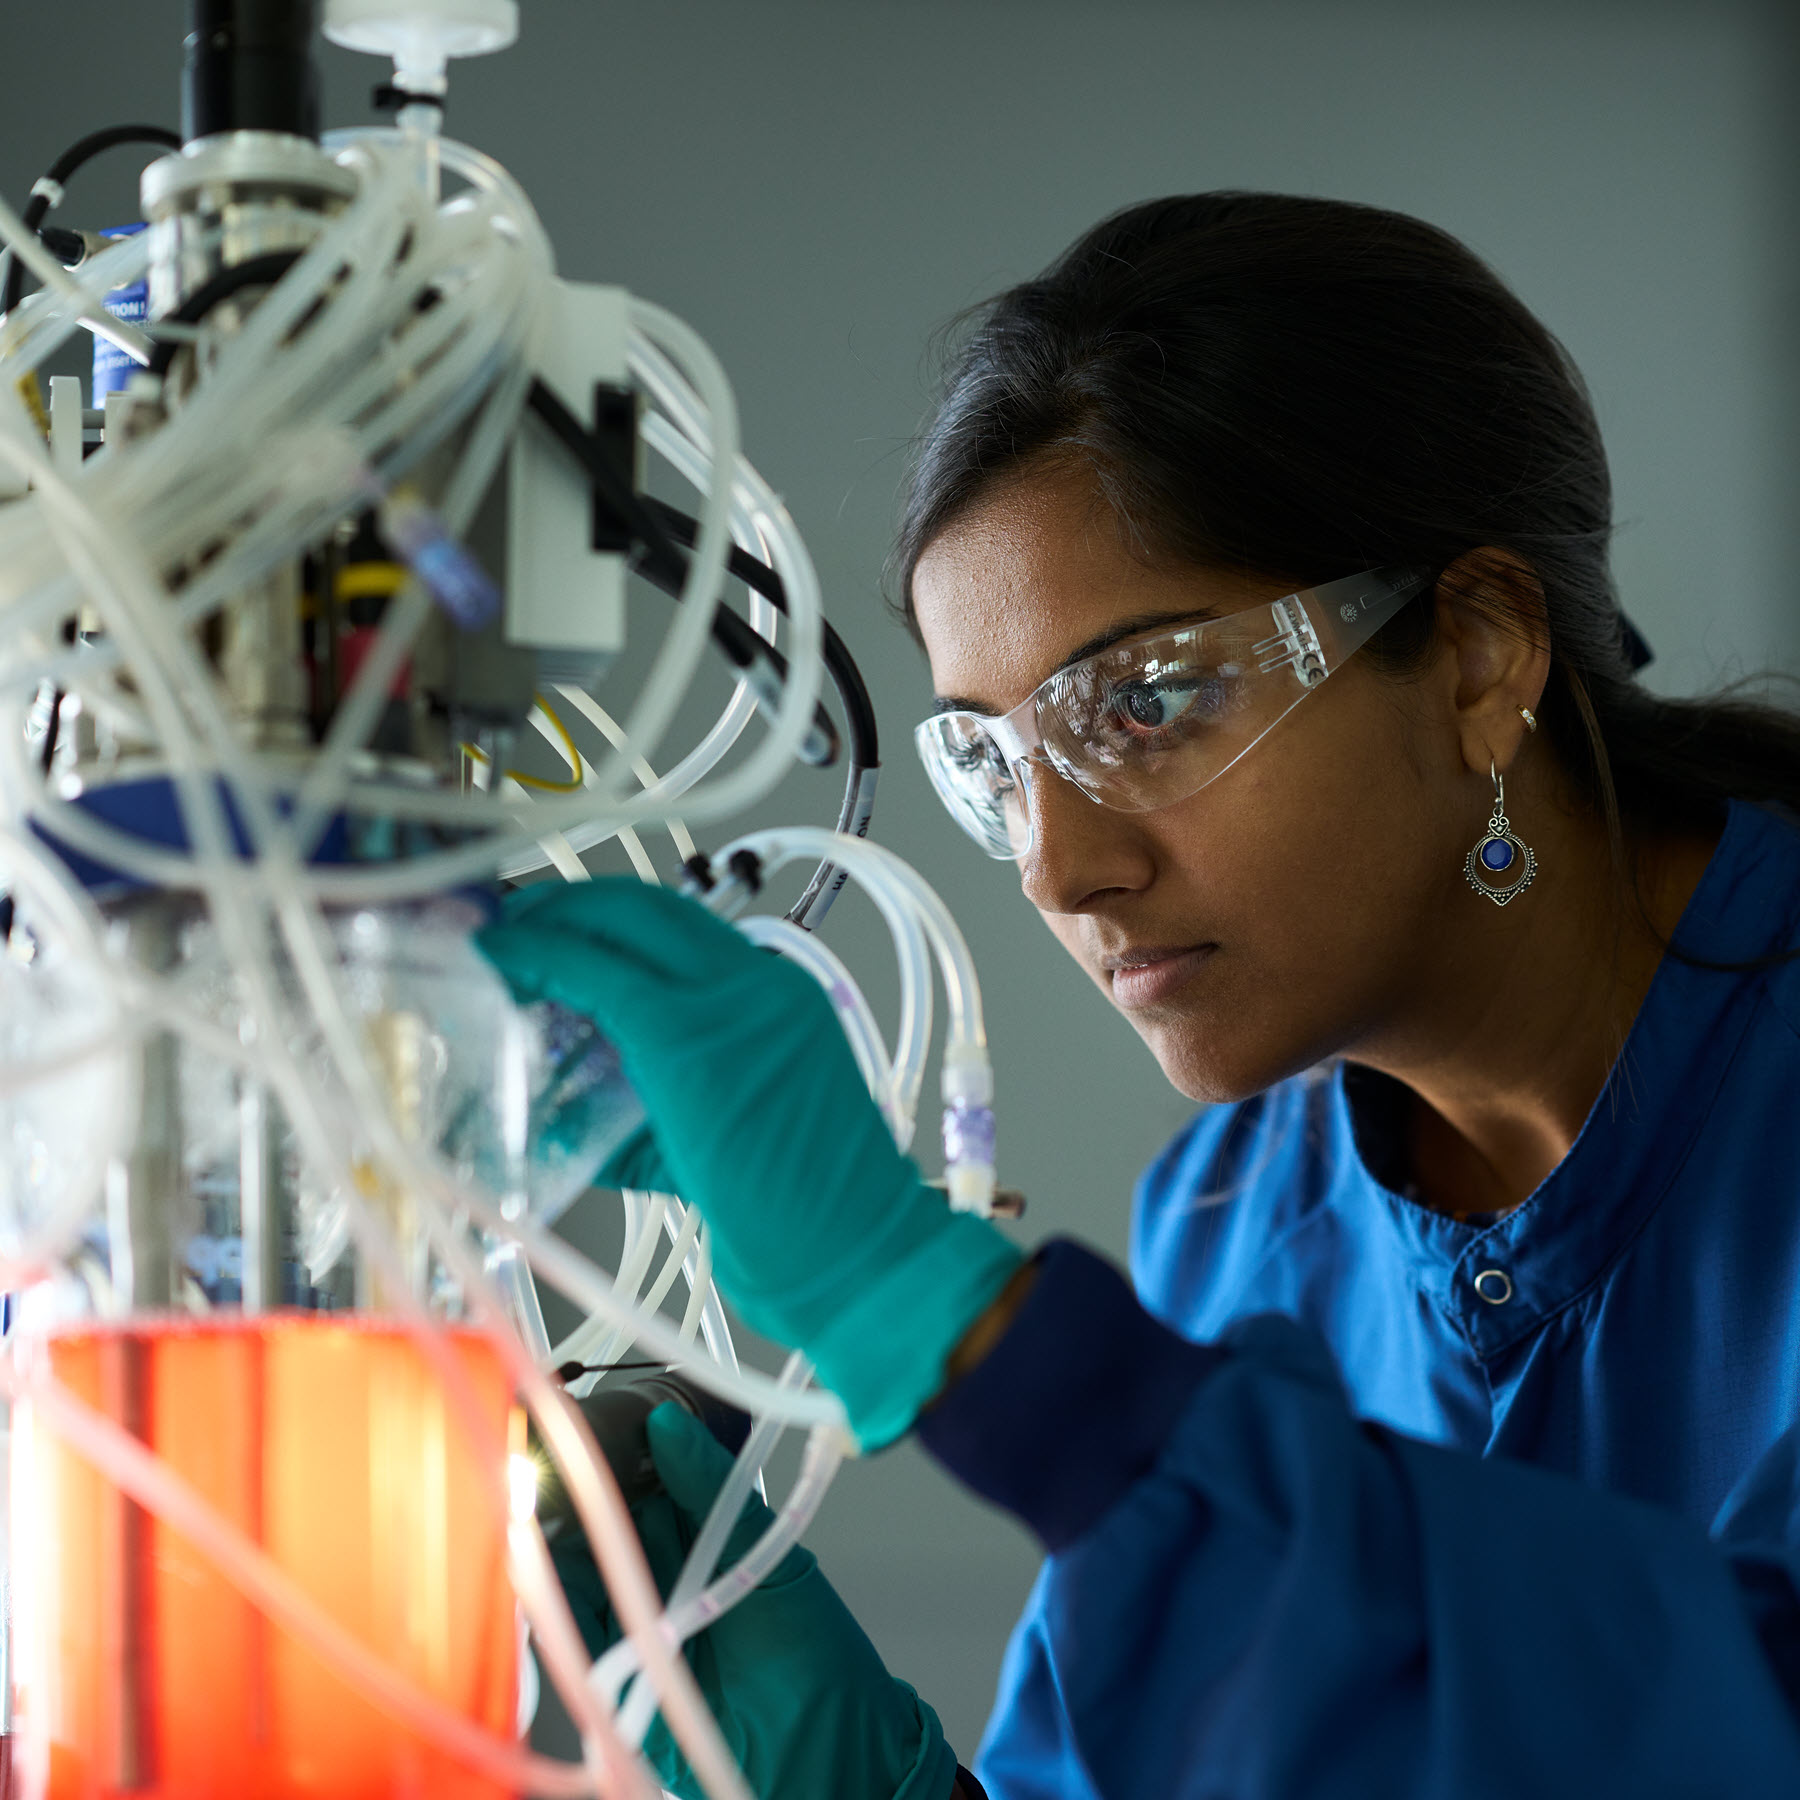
(1145,708)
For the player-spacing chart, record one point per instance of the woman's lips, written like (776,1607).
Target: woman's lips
(1143,977)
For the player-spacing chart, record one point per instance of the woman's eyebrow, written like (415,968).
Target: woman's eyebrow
(1103,640)
(1133,627)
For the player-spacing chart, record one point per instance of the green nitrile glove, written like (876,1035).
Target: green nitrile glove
(800,1693)
(824,1237)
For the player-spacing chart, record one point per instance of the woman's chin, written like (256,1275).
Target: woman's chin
(1214,1066)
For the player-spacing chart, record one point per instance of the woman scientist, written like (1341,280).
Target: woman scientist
(1443,1442)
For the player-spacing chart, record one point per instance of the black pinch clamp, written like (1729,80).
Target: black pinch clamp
(742,881)
(388,98)
(746,865)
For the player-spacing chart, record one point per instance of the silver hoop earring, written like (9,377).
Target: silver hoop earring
(1500,852)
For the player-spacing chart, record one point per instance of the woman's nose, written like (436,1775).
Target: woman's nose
(1080,849)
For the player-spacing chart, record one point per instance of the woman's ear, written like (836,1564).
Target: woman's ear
(1493,624)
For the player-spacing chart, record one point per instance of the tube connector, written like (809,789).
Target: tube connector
(968,1091)
(449,570)
(968,1077)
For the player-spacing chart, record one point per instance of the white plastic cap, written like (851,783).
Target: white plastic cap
(422,35)
(970,1187)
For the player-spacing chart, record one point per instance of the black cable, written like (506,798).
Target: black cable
(756,659)
(853,696)
(255,271)
(853,692)
(573,1371)
(47,760)
(83,150)
(661,533)
(663,565)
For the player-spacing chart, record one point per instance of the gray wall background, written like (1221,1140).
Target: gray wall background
(818,184)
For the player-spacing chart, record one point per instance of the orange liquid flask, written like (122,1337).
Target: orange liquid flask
(140,1671)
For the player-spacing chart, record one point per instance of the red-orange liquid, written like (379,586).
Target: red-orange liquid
(139,1670)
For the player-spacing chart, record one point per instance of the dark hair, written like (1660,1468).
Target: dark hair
(1309,388)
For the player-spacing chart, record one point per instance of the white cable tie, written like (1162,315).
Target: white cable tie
(47,190)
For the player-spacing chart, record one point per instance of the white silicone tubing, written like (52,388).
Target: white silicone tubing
(122,591)
(336,380)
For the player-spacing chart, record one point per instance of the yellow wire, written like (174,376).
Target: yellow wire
(33,396)
(570,754)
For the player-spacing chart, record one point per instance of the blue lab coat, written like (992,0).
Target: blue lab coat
(1350,1499)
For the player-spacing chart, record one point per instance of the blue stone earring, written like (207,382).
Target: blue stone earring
(1499,853)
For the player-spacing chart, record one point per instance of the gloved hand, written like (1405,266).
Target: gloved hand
(800,1693)
(824,1236)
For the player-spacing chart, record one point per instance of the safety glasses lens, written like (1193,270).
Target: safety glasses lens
(1138,727)
(975,782)
(1145,723)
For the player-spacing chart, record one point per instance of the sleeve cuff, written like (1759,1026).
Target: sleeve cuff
(1073,1404)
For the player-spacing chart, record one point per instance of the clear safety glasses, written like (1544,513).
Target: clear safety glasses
(1149,721)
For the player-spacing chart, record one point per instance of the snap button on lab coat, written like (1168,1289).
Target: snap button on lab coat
(1494,1286)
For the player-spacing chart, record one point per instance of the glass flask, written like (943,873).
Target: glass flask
(326,1438)
(189,1274)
